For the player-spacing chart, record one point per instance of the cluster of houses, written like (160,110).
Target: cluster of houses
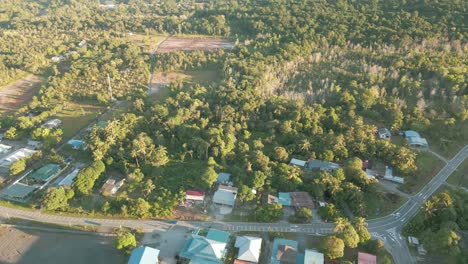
(212,247)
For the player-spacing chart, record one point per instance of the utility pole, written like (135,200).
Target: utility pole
(110,88)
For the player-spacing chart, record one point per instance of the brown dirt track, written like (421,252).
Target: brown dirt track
(15,95)
(188,44)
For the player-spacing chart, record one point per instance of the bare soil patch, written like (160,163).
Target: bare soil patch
(28,246)
(15,95)
(188,44)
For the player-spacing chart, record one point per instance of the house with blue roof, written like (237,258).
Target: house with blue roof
(284,199)
(285,251)
(415,140)
(322,165)
(144,255)
(224,178)
(206,250)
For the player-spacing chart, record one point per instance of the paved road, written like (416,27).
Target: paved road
(387,228)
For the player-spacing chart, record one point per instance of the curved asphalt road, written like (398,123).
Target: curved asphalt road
(386,228)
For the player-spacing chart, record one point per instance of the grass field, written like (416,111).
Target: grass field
(147,42)
(76,116)
(382,204)
(428,166)
(460,176)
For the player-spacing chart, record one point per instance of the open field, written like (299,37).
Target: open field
(197,43)
(382,204)
(428,166)
(460,176)
(147,42)
(17,94)
(30,246)
(76,116)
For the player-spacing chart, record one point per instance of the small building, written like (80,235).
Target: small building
(271,199)
(249,248)
(301,200)
(45,173)
(68,180)
(225,195)
(108,188)
(295,199)
(284,199)
(322,165)
(77,144)
(413,240)
(313,257)
(389,176)
(82,43)
(54,123)
(384,133)
(224,178)
(4,149)
(58,58)
(194,195)
(415,140)
(34,144)
(285,251)
(210,249)
(17,155)
(365,258)
(299,163)
(144,255)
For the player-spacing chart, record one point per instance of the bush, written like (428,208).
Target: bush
(17,167)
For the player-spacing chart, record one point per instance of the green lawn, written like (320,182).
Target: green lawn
(460,176)
(428,166)
(147,42)
(76,116)
(382,203)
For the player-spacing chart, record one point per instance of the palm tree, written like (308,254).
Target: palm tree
(305,145)
(340,224)
(149,187)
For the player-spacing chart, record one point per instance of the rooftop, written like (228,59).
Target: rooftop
(45,172)
(218,235)
(144,255)
(313,257)
(68,180)
(284,199)
(18,190)
(365,258)
(301,199)
(201,250)
(320,164)
(297,162)
(223,177)
(284,251)
(225,195)
(249,248)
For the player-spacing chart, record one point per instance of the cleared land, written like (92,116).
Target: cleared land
(30,246)
(76,116)
(460,176)
(188,44)
(428,166)
(15,95)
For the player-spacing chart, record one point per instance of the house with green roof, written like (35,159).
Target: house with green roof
(206,250)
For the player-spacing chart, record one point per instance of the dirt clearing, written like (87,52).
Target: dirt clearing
(29,246)
(188,44)
(17,94)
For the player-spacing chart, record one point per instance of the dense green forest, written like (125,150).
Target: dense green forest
(307,79)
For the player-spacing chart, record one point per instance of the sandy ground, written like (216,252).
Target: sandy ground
(28,246)
(187,44)
(15,95)
(169,242)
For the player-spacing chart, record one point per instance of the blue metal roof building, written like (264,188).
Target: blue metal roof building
(284,199)
(144,255)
